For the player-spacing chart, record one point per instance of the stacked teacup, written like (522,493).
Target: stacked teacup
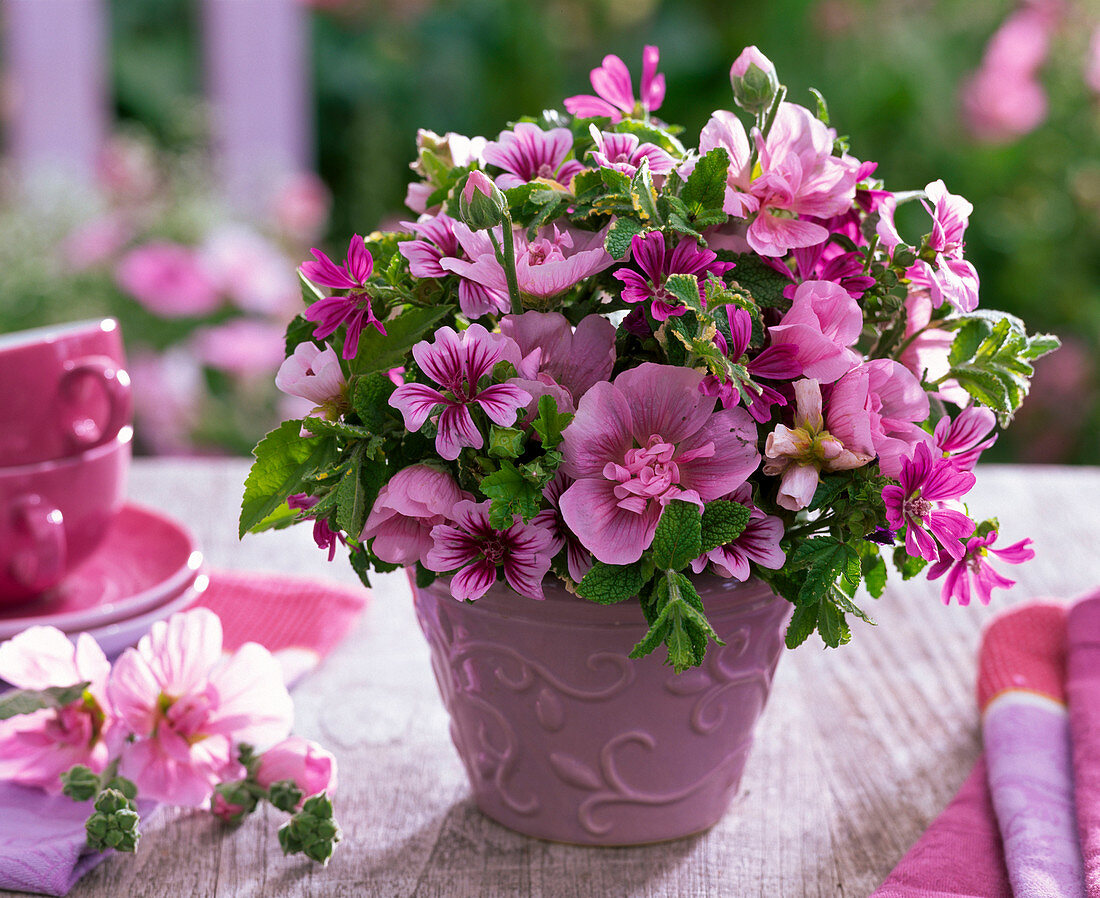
(65,411)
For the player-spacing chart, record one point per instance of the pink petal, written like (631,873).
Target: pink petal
(653,85)
(416,402)
(360,263)
(797,488)
(456,429)
(614,535)
(664,400)
(183,650)
(1017,553)
(601,432)
(770,235)
(473,581)
(38,658)
(612,82)
(735,458)
(502,401)
(325,273)
(253,704)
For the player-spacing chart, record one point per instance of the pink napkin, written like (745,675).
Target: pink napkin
(1037,786)
(298,620)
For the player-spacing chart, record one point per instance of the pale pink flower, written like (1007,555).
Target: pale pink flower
(640,442)
(407,508)
(758,542)
(189,708)
(973,567)
(545,267)
(625,153)
(651,254)
(169,279)
(453,151)
(457,363)
(301,206)
(474,549)
(615,90)
(251,271)
(168,396)
(801,453)
(314,374)
(964,438)
(821,324)
(35,749)
(245,347)
(528,152)
(1092,63)
(304,763)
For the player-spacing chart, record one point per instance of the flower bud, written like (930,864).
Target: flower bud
(753,79)
(299,765)
(80,783)
(114,823)
(313,831)
(481,205)
(232,802)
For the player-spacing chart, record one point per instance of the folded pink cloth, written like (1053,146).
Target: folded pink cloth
(298,620)
(1083,693)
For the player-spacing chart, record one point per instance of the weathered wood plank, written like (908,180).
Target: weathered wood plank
(859,749)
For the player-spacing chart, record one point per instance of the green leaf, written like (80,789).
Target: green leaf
(803,623)
(549,422)
(619,236)
(370,398)
(310,293)
(300,330)
(832,626)
(763,283)
(969,337)
(643,196)
(351,498)
(822,106)
(380,353)
(908,565)
(828,489)
(511,494)
(610,583)
(705,188)
(506,442)
(540,471)
(678,539)
(874,572)
(826,558)
(26,701)
(984,386)
(320,426)
(723,521)
(284,460)
(685,287)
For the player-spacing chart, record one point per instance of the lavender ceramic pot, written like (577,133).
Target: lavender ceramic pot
(566,738)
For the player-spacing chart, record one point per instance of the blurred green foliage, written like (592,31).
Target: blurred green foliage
(890,71)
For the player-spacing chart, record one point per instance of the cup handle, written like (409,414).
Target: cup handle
(42,563)
(82,433)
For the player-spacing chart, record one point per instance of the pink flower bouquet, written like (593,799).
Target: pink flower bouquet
(601,355)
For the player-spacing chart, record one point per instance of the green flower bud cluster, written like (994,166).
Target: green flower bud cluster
(285,795)
(114,823)
(313,831)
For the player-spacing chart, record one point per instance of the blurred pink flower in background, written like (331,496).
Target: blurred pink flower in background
(127,168)
(244,347)
(251,271)
(615,89)
(95,242)
(169,279)
(168,390)
(301,206)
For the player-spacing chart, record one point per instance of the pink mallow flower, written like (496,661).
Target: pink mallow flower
(800,453)
(637,444)
(926,505)
(313,373)
(821,324)
(304,763)
(407,508)
(35,749)
(973,567)
(615,90)
(168,279)
(578,559)
(473,548)
(354,309)
(189,708)
(545,267)
(458,362)
(947,276)
(651,255)
(442,238)
(964,438)
(323,535)
(625,153)
(758,542)
(528,152)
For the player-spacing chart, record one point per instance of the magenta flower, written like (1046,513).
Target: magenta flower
(577,558)
(758,542)
(574,359)
(445,238)
(822,322)
(189,708)
(304,763)
(545,267)
(528,152)
(651,255)
(926,505)
(35,749)
(817,263)
(407,508)
(964,438)
(973,567)
(169,280)
(625,152)
(473,548)
(800,453)
(458,362)
(314,374)
(615,91)
(324,536)
(354,310)
(640,442)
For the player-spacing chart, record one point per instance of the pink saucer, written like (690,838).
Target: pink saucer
(145,560)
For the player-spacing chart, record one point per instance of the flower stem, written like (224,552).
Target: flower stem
(766,126)
(507,260)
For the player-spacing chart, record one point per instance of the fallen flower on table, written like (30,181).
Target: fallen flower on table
(173,721)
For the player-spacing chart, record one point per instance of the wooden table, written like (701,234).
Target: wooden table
(858,751)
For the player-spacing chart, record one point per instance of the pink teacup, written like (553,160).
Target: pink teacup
(63,390)
(54,514)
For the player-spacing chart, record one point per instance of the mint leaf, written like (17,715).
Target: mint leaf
(685,287)
(826,558)
(370,398)
(356,492)
(550,422)
(763,283)
(678,539)
(874,571)
(380,353)
(284,461)
(803,623)
(610,583)
(619,236)
(506,442)
(723,522)
(643,196)
(832,626)
(320,426)
(680,623)
(511,494)
(705,189)
(26,701)
(968,339)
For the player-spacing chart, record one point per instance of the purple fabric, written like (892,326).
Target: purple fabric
(1027,745)
(1083,694)
(42,841)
